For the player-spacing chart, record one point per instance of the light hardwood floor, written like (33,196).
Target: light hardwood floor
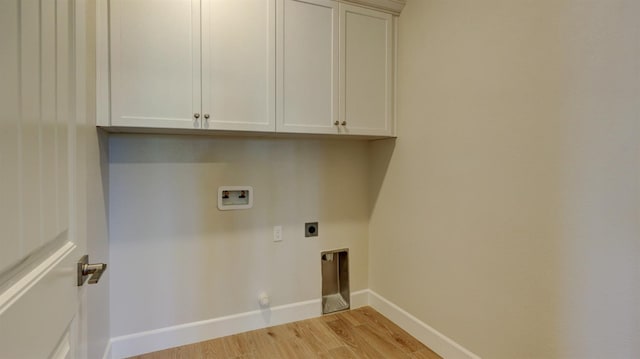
(358,333)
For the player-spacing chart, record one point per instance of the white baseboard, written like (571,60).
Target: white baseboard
(159,339)
(164,338)
(359,299)
(438,342)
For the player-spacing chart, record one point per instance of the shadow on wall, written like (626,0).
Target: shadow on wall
(103,148)
(311,177)
(380,152)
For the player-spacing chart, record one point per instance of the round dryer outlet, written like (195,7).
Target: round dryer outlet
(311,229)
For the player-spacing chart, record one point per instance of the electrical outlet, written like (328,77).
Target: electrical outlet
(277,233)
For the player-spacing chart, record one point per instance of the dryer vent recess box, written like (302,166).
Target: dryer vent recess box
(235,197)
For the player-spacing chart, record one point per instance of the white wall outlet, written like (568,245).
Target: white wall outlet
(277,233)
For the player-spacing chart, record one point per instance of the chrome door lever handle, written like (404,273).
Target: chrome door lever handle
(85,269)
(95,270)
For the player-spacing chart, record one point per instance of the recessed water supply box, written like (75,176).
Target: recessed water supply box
(335,281)
(235,197)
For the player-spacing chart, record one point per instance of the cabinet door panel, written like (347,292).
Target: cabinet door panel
(238,64)
(155,63)
(366,65)
(308,74)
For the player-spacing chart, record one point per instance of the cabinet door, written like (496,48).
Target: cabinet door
(307,64)
(238,64)
(366,67)
(155,63)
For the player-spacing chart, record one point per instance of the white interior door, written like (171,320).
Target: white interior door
(39,244)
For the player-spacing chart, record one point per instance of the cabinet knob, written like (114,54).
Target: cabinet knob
(206,116)
(196,115)
(336,123)
(344,123)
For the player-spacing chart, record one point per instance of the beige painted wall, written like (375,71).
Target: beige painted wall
(507,213)
(175,258)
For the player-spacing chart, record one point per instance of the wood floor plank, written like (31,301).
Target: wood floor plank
(212,349)
(350,318)
(402,339)
(387,348)
(342,353)
(232,347)
(385,326)
(186,352)
(359,333)
(351,338)
(281,332)
(246,343)
(357,316)
(329,317)
(264,343)
(293,348)
(318,336)
(314,344)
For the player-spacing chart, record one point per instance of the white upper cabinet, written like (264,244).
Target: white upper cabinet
(195,64)
(155,63)
(366,71)
(238,64)
(308,67)
(335,69)
(324,67)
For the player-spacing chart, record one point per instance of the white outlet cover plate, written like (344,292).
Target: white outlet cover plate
(235,197)
(277,233)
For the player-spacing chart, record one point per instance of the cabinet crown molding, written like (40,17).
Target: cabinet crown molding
(391,6)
